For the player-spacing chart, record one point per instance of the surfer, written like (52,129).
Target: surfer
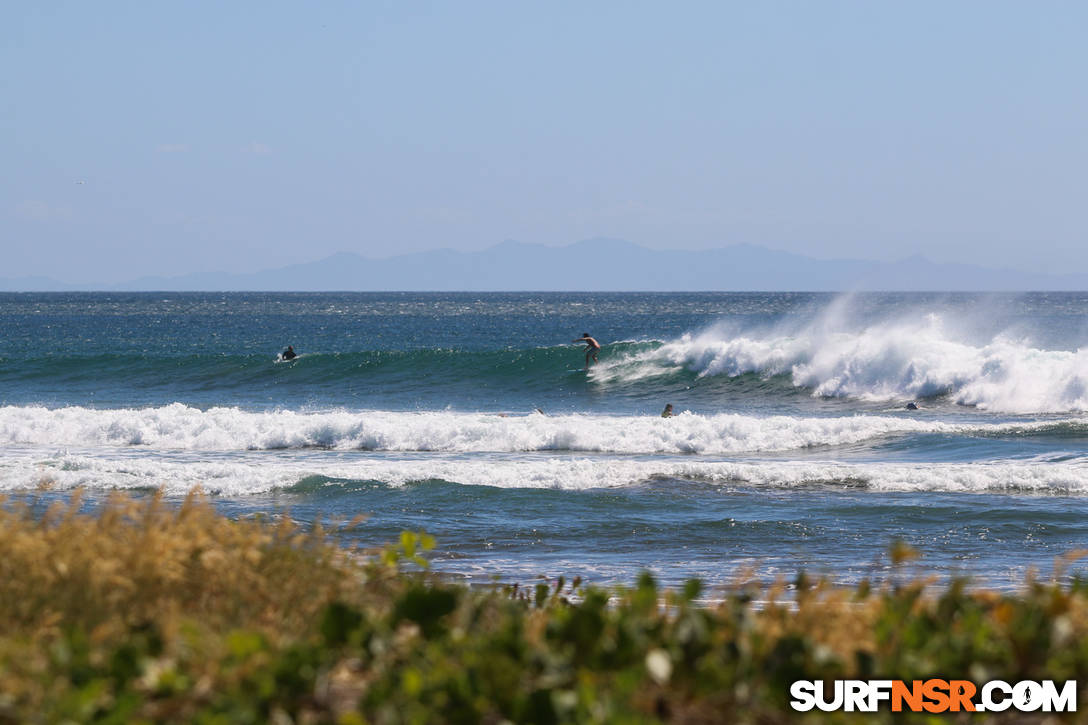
(592,347)
(288,354)
(667,413)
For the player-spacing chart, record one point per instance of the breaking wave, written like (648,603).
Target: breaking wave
(180,427)
(241,478)
(925,357)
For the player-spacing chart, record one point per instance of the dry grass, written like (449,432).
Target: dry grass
(136,562)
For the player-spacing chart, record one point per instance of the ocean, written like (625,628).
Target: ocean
(469,415)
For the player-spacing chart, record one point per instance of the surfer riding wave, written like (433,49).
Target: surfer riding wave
(592,347)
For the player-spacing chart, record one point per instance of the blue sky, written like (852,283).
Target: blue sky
(241,136)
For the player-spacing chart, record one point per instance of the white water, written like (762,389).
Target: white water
(179,427)
(901,359)
(256,473)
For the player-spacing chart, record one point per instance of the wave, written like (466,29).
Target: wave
(551,361)
(920,354)
(234,478)
(444,373)
(924,357)
(180,427)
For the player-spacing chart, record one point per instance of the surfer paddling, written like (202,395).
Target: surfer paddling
(592,347)
(289,353)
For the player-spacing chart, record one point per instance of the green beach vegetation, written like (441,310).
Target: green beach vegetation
(141,611)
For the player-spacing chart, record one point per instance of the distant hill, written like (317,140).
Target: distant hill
(599,265)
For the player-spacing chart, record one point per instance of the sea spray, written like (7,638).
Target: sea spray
(889,360)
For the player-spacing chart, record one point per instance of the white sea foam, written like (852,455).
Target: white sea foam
(180,427)
(261,474)
(921,356)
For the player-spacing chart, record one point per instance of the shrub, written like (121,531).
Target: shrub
(142,612)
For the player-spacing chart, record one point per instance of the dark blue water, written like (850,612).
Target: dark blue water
(470,415)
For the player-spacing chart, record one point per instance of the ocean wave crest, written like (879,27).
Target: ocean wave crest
(242,478)
(898,360)
(180,427)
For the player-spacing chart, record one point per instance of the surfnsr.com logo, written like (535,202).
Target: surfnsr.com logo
(933,695)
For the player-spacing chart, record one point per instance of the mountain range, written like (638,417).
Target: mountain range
(594,265)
